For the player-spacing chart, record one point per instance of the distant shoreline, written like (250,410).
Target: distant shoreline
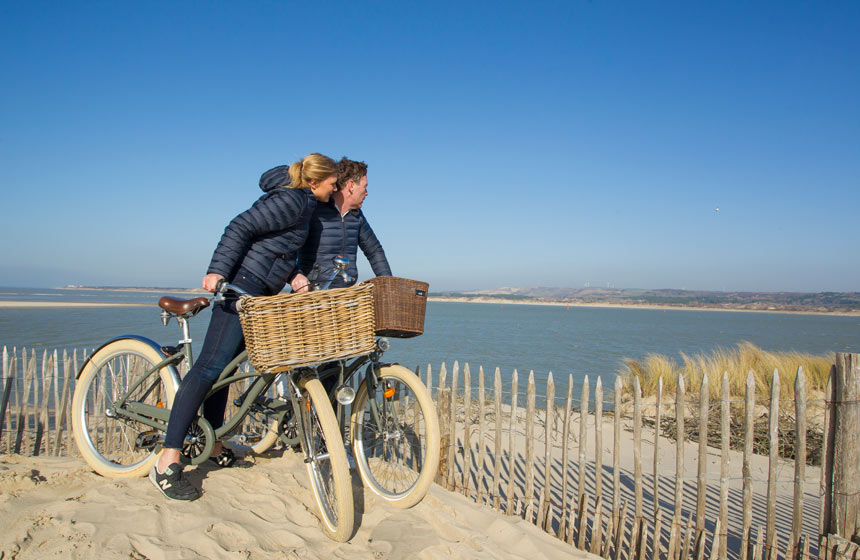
(138,290)
(55,304)
(558,303)
(449,299)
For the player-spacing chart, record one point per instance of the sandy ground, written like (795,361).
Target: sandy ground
(58,508)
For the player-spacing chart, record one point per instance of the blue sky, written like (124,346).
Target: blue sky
(509,144)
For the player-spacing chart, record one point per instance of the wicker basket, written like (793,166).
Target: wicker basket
(400,305)
(291,330)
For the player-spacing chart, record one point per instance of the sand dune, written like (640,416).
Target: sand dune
(58,508)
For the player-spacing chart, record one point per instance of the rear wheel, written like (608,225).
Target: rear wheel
(280,426)
(398,456)
(284,428)
(255,433)
(113,445)
(325,458)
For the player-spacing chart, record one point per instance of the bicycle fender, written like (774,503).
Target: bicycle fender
(151,343)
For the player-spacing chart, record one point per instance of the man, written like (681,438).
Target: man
(340,228)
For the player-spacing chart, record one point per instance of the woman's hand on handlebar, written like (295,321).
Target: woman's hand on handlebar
(210,281)
(299,283)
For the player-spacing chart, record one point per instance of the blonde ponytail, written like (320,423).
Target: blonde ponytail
(313,167)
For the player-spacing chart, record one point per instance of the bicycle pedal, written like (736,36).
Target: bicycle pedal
(147,440)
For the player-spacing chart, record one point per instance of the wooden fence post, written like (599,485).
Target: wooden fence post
(675,542)
(597,528)
(8,376)
(637,465)
(581,497)
(64,403)
(497,449)
(467,431)
(443,401)
(42,422)
(452,452)
(702,471)
(721,537)
(799,463)
(773,455)
(657,432)
(509,509)
(530,447)
(749,411)
(826,460)
(547,496)
(565,455)
(844,486)
(28,366)
(616,461)
(481,475)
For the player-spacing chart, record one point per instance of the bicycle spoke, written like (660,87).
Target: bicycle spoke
(109,442)
(392,451)
(325,459)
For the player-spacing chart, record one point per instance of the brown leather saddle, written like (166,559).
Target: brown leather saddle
(183,307)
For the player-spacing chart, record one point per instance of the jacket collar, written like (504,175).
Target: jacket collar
(334,207)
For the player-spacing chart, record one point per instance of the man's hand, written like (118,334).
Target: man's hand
(299,283)
(210,281)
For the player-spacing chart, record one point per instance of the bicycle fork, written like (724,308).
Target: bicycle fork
(388,410)
(302,412)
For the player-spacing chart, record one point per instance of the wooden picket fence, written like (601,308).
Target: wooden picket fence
(36,397)
(518,460)
(548,460)
(35,404)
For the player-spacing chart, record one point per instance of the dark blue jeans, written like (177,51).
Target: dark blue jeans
(224,341)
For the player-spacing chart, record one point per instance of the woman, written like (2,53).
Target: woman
(256,253)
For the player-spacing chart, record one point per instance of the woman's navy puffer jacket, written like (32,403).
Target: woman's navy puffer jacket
(264,239)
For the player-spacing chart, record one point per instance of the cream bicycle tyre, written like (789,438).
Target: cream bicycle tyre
(267,441)
(273,435)
(331,486)
(400,464)
(109,448)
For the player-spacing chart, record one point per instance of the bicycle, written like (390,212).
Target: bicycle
(395,458)
(125,390)
(122,402)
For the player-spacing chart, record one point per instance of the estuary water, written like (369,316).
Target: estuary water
(576,341)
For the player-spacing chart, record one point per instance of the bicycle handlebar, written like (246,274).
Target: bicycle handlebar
(222,286)
(339,263)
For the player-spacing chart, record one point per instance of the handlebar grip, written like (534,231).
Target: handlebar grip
(220,286)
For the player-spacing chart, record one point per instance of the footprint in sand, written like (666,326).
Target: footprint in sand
(401,538)
(231,536)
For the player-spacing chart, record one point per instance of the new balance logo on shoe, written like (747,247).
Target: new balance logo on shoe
(172,484)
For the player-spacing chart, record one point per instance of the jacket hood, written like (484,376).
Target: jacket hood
(275,177)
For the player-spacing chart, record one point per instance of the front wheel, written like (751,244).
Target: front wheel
(396,450)
(325,458)
(113,445)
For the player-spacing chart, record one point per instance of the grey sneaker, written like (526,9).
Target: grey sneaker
(172,484)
